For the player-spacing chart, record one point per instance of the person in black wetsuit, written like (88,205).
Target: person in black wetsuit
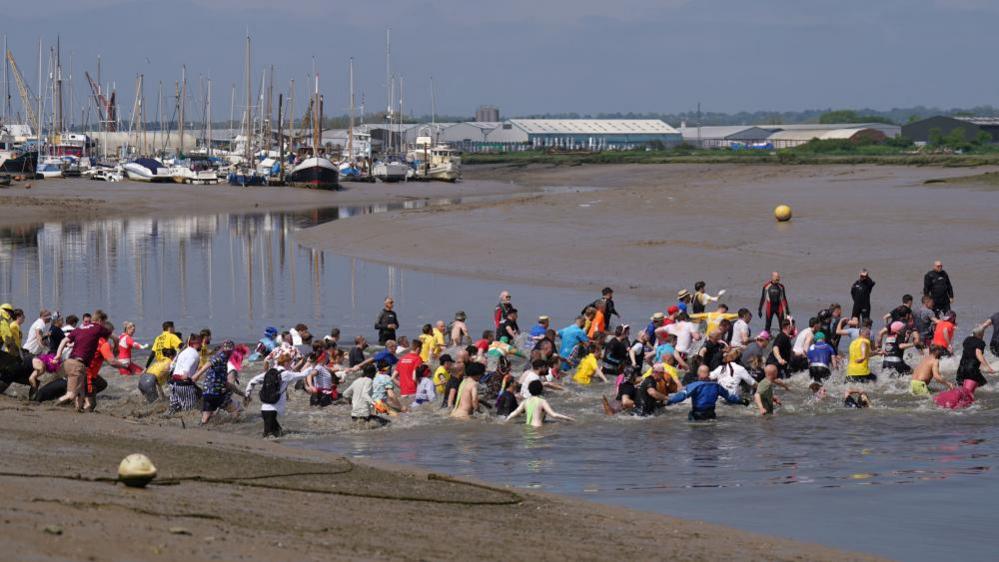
(387,322)
(773,300)
(861,293)
(936,284)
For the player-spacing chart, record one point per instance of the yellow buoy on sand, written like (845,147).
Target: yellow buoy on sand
(782,213)
(136,470)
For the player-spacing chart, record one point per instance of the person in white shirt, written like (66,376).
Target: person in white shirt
(270,411)
(184,394)
(741,335)
(802,342)
(361,402)
(730,374)
(35,343)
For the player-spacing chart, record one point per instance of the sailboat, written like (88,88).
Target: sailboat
(246,174)
(316,172)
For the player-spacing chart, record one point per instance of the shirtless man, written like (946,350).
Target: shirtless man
(467,402)
(928,370)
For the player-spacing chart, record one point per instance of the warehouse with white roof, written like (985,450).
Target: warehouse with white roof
(581,134)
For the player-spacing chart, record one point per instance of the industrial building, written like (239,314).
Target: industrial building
(725,136)
(790,138)
(581,134)
(919,131)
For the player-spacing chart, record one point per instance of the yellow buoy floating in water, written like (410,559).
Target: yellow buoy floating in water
(782,213)
(136,470)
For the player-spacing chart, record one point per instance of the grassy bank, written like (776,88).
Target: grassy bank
(873,155)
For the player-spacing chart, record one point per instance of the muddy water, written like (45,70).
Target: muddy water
(901,479)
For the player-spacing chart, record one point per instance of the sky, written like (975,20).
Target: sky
(538,56)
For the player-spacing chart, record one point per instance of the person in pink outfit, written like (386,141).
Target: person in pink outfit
(126,344)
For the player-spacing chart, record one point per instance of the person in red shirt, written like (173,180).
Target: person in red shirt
(105,352)
(406,367)
(943,332)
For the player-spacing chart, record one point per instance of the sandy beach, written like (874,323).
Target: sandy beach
(646,229)
(227,497)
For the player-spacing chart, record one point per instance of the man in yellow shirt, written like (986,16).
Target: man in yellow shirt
(439,328)
(588,367)
(6,338)
(859,369)
(167,340)
(428,341)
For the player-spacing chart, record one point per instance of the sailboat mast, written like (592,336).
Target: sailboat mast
(388,74)
(400,115)
(57,124)
(38,118)
(315,120)
(208,119)
(249,106)
(158,137)
(433,109)
(183,103)
(6,84)
(350,129)
(280,120)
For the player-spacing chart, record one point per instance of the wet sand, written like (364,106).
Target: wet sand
(653,229)
(47,200)
(238,498)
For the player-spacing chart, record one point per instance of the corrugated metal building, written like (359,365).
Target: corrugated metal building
(790,138)
(919,131)
(724,136)
(888,129)
(582,134)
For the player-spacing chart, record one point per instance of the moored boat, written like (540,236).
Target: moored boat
(147,170)
(315,173)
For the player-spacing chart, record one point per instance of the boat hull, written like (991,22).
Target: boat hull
(23,164)
(315,174)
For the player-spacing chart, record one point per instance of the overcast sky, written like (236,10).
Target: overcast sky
(537,56)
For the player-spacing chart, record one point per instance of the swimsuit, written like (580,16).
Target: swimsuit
(919,388)
(531,409)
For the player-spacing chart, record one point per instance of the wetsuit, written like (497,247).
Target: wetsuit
(861,293)
(894,359)
(970,367)
(386,318)
(773,302)
(937,285)
(703,396)
(499,315)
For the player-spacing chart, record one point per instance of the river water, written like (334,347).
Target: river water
(901,479)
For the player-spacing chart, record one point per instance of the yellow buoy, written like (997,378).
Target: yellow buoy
(136,470)
(782,213)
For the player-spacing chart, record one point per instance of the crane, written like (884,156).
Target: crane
(106,110)
(22,88)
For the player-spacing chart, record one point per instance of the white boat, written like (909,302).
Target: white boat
(391,170)
(435,162)
(50,168)
(147,170)
(197,170)
(106,174)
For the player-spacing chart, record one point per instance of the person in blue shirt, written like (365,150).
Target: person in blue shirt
(821,357)
(571,337)
(656,322)
(266,345)
(540,329)
(703,394)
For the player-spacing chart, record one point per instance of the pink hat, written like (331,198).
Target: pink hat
(896,327)
(764,335)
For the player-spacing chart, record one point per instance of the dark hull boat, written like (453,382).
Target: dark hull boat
(315,173)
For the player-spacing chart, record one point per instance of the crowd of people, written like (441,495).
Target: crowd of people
(685,354)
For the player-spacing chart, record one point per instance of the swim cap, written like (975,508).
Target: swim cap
(896,327)
(764,335)
(271,331)
(819,336)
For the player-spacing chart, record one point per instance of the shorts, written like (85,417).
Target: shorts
(213,402)
(975,376)
(320,400)
(862,378)
(819,374)
(899,367)
(919,388)
(76,375)
(701,415)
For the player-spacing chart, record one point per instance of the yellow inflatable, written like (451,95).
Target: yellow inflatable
(782,213)
(136,470)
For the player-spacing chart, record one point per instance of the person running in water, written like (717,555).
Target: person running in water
(928,370)
(936,284)
(994,322)
(703,394)
(861,293)
(773,301)
(536,407)
(894,341)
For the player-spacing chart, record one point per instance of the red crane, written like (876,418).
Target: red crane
(107,111)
